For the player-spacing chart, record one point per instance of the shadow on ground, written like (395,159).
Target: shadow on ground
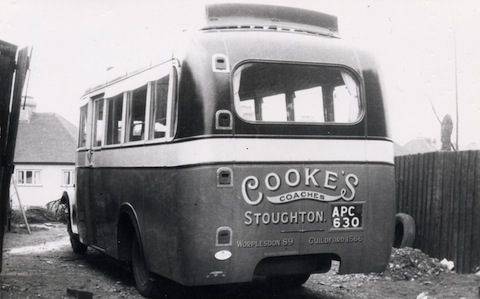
(169,289)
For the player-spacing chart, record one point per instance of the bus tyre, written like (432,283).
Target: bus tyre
(143,278)
(288,281)
(77,246)
(404,231)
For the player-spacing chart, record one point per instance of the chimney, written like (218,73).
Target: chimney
(27,109)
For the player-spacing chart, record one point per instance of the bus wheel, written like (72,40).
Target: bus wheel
(77,246)
(143,279)
(288,281)
(404,231)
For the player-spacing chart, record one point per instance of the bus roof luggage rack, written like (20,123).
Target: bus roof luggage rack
(255,16)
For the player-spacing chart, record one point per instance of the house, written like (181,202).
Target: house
(415,146)
(44,156)
(398,150)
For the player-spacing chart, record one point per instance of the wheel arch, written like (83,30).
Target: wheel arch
(71,203)
(127,227)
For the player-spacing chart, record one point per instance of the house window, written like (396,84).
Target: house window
(68,178)
(29,177)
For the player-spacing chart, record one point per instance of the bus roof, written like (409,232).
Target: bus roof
(236,15)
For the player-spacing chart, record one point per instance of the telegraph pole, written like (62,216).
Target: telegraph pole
(456,82)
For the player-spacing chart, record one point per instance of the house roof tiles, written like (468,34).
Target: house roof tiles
(47,138)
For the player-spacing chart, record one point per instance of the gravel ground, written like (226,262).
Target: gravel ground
(42,265)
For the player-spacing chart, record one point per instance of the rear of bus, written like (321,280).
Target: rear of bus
(284,158)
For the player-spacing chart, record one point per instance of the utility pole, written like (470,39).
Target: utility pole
(456,82)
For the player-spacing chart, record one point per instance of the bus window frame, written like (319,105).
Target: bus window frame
(89,101)
(129,122)
(93,131)
(353,74)
(153,109)
(84,126)
(172,104)
(172,107)
(108,102)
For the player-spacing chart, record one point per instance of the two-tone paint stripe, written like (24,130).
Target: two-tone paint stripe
(245,150)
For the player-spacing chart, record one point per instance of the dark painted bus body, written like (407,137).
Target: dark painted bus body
(260,149)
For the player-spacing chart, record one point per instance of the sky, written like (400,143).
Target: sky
(429,51)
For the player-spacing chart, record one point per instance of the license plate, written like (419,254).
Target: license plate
(347,216)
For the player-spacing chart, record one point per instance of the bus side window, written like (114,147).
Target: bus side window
(136,114)
(99,125)
(159,97)
(114,119)
(82,137)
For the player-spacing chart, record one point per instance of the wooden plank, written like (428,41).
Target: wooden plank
(437,204)
(462,225)
(417,197)
(414,184)
(456,249)
(448,178)
(417,213)
(422,198)
(408,208)
(429,226)
(397,181)
(469,198)
(475,245)
(405,186)
(403,166)
(428,198)
(399,169)
(401,195)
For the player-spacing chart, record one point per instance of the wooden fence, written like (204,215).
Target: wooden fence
(441,191)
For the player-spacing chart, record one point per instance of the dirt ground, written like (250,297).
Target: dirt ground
(42,265)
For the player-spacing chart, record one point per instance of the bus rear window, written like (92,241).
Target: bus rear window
(280,92)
